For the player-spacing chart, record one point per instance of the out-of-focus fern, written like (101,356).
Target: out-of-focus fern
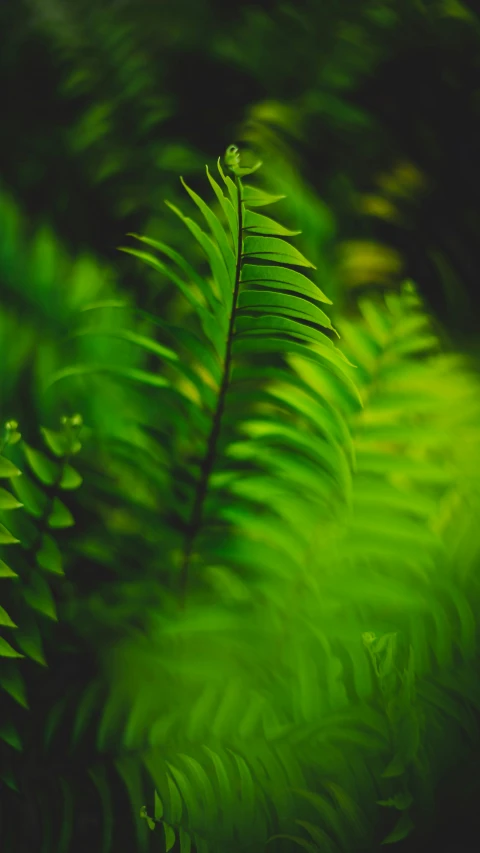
(395,561)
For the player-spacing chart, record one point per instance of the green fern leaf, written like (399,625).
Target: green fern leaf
(71,479)
(8,469)
(60,516)
(253,197)
(56,441)
(43,468)
(282,278)
(6,571)
(274,249)
(217,230)
(221,272)
(5,619)
(169,836)
(255,223)
(7,651)
(295,306)
(7,538)
(7,500)
(227,207)
(31,495)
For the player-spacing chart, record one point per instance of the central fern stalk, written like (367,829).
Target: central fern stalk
(207,465)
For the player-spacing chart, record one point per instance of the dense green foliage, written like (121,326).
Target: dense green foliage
(281,535)
(239,493)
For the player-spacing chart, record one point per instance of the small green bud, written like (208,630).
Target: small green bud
(11,434)
(232,160)
(232,156)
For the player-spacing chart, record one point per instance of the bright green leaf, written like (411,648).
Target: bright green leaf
(56,441)
(273,249)
(31,495)
(221,272)
(231,187)
(256,223)
(7,500)
(282,278)
(6,571)
(6,537)
(268,301)
(43,468)
(60,516)
(253,197)
(6,650)
(8,469)
(227,207)
(5,619)
(217,230)
(169,837)
(71,479)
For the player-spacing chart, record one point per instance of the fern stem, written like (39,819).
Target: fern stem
(207,465)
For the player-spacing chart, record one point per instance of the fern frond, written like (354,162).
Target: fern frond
(31,599)
(232,321)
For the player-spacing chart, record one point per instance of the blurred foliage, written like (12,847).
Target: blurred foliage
(105,97)
(366,118)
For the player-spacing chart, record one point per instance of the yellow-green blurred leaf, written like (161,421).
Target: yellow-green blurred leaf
(60,516)
(8,469)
